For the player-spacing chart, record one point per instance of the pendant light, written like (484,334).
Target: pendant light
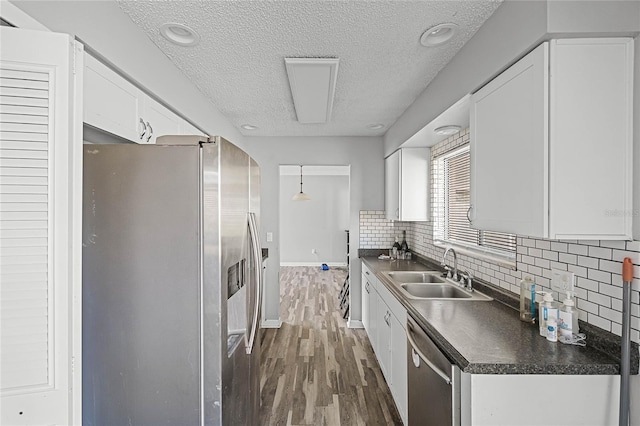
(301,196)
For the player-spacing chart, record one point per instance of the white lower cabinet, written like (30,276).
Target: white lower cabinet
(384,319)
(538,399)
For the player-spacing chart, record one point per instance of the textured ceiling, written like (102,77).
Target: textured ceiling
(239,63)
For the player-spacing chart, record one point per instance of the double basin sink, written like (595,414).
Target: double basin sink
(430,285)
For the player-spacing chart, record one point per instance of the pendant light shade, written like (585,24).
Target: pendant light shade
(301,196)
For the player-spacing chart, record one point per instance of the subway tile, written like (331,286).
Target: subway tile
(535,252)
(599,252)
(609,266)
(616,328)
(578,249)
(603,277)
(599,322)
(611,315)
(543,244)
(610,290)
(586,306)
(568,258)
(599,299)
(613,244)
(550,255)
(527,242)
(633,245)
(587,284)
(529,260)
(543,263)
(580,293)
(559,247)
(589,262)
(578,270)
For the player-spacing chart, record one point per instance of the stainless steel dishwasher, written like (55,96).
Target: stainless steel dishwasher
(434,382)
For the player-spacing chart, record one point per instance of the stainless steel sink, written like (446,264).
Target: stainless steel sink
(435,291)
(416,276)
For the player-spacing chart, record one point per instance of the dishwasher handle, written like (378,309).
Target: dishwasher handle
(415,348)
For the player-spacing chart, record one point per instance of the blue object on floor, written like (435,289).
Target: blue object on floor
(325,267)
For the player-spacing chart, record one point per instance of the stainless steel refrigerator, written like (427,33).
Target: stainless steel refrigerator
(172,276)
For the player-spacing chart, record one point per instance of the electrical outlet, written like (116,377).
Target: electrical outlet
(269,237)
(562,281)
(313,251)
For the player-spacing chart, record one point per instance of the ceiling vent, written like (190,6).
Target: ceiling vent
(313,86)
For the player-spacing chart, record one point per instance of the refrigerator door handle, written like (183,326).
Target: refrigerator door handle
(255,246)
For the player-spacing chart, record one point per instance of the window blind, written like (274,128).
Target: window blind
(452,184)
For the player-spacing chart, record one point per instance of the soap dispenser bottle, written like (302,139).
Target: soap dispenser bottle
(547,310)
(568,317)
(528,300)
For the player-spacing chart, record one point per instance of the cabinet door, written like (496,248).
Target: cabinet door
(509,149)
(398,365)
(392,186)
(384,337)
(111,103)
(366,291)
(40,230)
(159,120)
(591,138)
(374,322)
(414,184)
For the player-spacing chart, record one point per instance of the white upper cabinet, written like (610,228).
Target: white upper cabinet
(114,104)
(407,184)
(551,141)
(111,103)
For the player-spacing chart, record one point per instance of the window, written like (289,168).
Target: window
(451,205)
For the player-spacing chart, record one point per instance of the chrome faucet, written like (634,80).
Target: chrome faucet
(466,279)
(455,264)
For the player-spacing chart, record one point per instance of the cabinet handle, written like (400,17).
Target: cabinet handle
(469,213)
(144,129)
(397,213)
(386,318)
(367,272)
(366,287)
(150,131)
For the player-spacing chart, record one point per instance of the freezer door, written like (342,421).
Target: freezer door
(257,285)
(141,283)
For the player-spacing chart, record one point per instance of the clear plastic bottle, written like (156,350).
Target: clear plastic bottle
(548,309)
(568,317)
(528,300)
(552,329)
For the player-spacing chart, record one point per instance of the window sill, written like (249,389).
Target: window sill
(489,255)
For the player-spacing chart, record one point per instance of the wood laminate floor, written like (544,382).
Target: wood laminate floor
(315,370)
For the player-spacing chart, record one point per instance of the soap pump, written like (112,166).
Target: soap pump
(547,311)
(568,317)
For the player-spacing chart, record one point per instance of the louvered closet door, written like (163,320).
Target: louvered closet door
(37,266)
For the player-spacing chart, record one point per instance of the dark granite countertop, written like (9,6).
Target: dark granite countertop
(488,337)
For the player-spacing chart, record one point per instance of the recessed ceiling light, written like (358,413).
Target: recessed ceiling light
(249,127)
(179,34)
(375,126)
(447,130)
(440,34)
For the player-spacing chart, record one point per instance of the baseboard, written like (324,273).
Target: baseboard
(271,323)
(316,264)
(354,324)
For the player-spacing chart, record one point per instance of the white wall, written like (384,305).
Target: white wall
(318,224)
(363,154)
(103,27)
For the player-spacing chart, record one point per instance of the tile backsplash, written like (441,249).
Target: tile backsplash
(597,265)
